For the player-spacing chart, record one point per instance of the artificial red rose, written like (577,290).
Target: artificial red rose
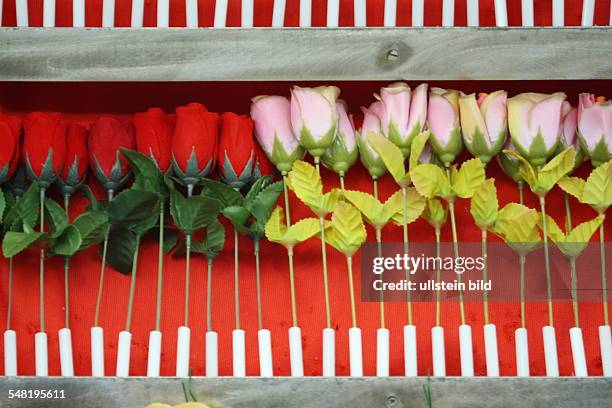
(236,155)
(108,134)
(10,132)
(154,136)
(194,142)
(44,146)
(263,166)
(77,161)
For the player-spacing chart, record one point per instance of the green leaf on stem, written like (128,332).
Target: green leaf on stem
(92,226)
(347,233)
(416,149)
(132,207)
(121,249)
(56,217)
(2,205)
(277,231)
(221,192)
(430,181)
(415,204)
(213,243)
(25,211)
(470,176)
(392,156)
(68,242)
(484,205)
(435,213)
(15,242)
(147,176)
(190,214)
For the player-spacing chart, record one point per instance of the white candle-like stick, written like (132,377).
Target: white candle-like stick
(212,354)
(491,353)
(238,353)
(466,351)
(163,13)
(278,13)
(49,13)
(246,18)
(97,352)
(438,354)
(448,13)
(137,13)
(191,13)
(108,13)
(10,353)
(588,11)
(124,345)
(355,352)
(21,9)
(329,352)
(41,356)
(472,13)
(0,13)
(551,358)
(65,348)
(183,347)
(527,13)
(605,347)
(78,13)
(578,357)
(522,352)
(390,13)
(382,352)
(418,10)
(410,351)
(558,13)
(264,343)
(220,14)
(333,13)
(610,14)
(360,13)
(501,13)
(295,352)
(154,356)
(305,13)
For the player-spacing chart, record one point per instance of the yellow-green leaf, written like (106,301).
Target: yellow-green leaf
(305,182)
(347,232)
(597,190)
(415,205)
(583,232)
(526,170)
(484,205)
(430,181)
(556,169)
(327,202)
(517,224)
(553,231)
(470,176)
(373,210)
(301,231)
(416,149)
(435,213)
(275,228)
(573,186)
(391,155)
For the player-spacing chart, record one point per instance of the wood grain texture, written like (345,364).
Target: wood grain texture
(40,54)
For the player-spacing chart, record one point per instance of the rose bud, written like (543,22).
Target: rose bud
(236,155)
(77,161)
(154,136)
(404,113)
(368,156)
(342,154)
(314,117)
(10,133)
(272,118)
(194,143)
(44,146)
(534,121)
(484,123)
(595,127)
(263,167)
(106,137)
(569,133)
(443,119)
(509,164)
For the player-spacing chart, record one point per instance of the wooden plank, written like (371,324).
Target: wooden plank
(312,392)
(304,54)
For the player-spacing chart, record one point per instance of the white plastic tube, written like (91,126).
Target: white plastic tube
(448,13)
(305,13)
(437,351)
(78,13)
(21,10)
(108,13)
(10,353)
(418,12)
(527,13)
(49,13)
(382,352)
(264,341)
(550,351)
(163,13)
(238,353)
(578,356)
(295,352)
(65,349)
(605,346)
(410,351)
(329,352)
(97,351)
(123,354)
(154,357)
(558,13)
(191,13)
(220,14)
(473,19)
(1,13)
(355,352)
(360,13)
(501,13)
(246,16)
(491,353)
(137,13)
(212,354)
(465,350)
(522,352)
(41,354)
(588,11)
(333,13)
(278,13)
(183,346)
(390,18)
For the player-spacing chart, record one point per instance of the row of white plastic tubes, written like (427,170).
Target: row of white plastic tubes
(278,15)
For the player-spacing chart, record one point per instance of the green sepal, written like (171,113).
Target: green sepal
(600,154)
(448,153)
(282,159)
(317,147)
(374,163)
(479,147)
(338,157)
(538,154)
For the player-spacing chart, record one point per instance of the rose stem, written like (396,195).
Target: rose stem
(290,253)
(42,262)
(128,320)
(451,210)
(9,306)
(522,266)
(160,267)
(572,262)
(236,282)
(568,214)
(209,264)
(67,268)
(102,268)
(349,269)
(341,174)
(485,294)
(602,252)
(405,231)
(438,276)
(324,258)
(187,264)
(546,261)
(379,248)
(258,283)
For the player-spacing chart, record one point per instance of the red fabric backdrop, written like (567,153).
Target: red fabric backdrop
(85,101)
